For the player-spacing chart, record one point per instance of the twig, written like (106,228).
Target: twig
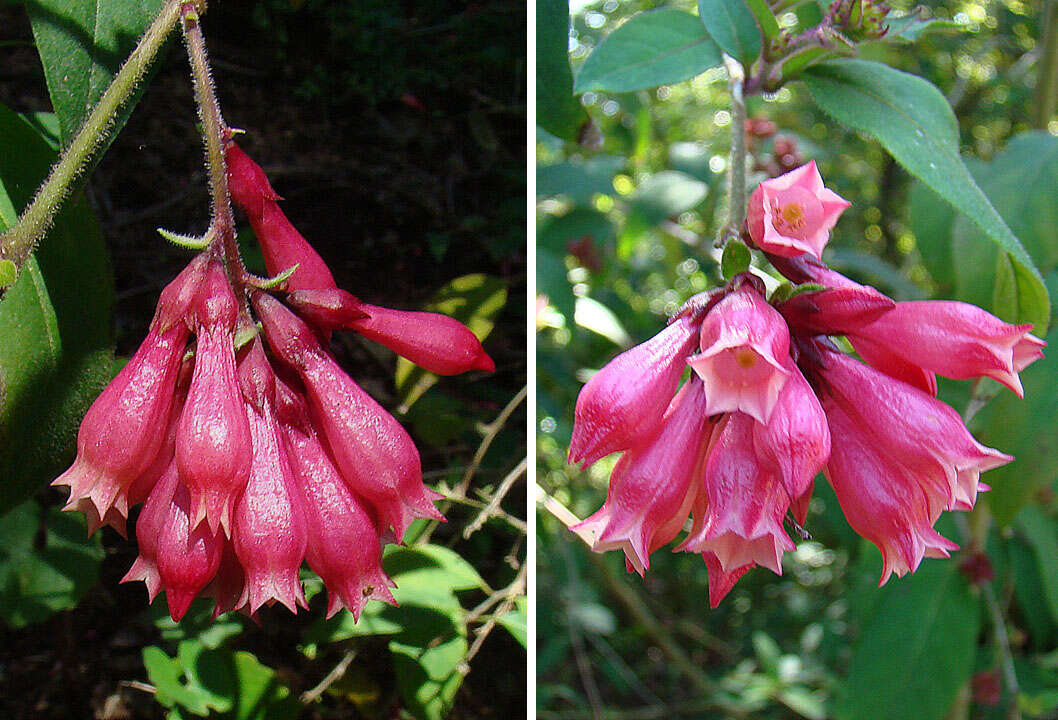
(490,432)
(137,685)
(510,595)
(516,523)
(310,696)
(497,497)
(1046,100)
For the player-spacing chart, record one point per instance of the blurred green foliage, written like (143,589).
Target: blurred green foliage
(627,210)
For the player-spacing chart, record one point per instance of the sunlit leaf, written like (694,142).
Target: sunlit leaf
(659,47)
(557,110)
(912,120)
(731,25)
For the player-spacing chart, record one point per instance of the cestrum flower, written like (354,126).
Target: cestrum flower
(771,400)
(793,214)
(253,456)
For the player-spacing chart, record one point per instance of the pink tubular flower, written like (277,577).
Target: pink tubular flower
(721,581)
(793,214)
(343,546)
(373,452)
(923,434)
(880,499)
(744,503)
(744,344)
(835,311)
(149,528)
(796,441)
(269,531)
(187,557)
(213,449)
(623,404)
(650,488)
(956,340)
(434,342)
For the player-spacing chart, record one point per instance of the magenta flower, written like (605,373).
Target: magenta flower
(772,401)
(213,450)
(625,401)
(793,214)
(744,344)
(244,476)
(641,514)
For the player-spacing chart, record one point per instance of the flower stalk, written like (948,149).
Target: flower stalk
(214,133)
(19,241)
(736,162)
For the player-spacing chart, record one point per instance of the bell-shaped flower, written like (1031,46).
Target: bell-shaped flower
(374,454)
(793,214)
(742,503)
(926,435)
(954,339)
(213,449)
(118,438)
(343,546)
(226,588)
(745,346)
(624,403)
(187,556)
(881,499)
(269,533)
(650,485)
(796,440)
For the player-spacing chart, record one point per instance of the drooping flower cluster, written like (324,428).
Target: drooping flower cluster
(771,400)
(249,462)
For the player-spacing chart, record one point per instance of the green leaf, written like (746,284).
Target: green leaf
(430,566)
(82,43)
(516,620)
(235,685)
(428,660)
(931,220)
(667,194)
(1022,183)
(557,110)
(912,120)
(735,259)
(1018,427)
(47,563)
(765,18)
(579,180)
(1041,532)
(592,315)
(731,25)
(55,323)
(552,281)
(658,47)
(915,649)
(475,301)
(908,28)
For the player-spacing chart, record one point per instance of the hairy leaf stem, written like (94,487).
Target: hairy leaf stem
(736,162)
(21,239)
(214,134)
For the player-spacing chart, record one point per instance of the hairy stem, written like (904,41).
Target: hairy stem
(736,165)
(21,239)
(214,134)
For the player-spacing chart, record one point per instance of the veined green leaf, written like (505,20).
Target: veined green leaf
(912,120)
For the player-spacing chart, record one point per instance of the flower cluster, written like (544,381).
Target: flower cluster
(249,462)
(772,399)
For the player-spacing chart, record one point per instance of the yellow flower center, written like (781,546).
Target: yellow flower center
(745,358)
(793,214)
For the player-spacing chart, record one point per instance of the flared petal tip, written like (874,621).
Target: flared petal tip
(484,363)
